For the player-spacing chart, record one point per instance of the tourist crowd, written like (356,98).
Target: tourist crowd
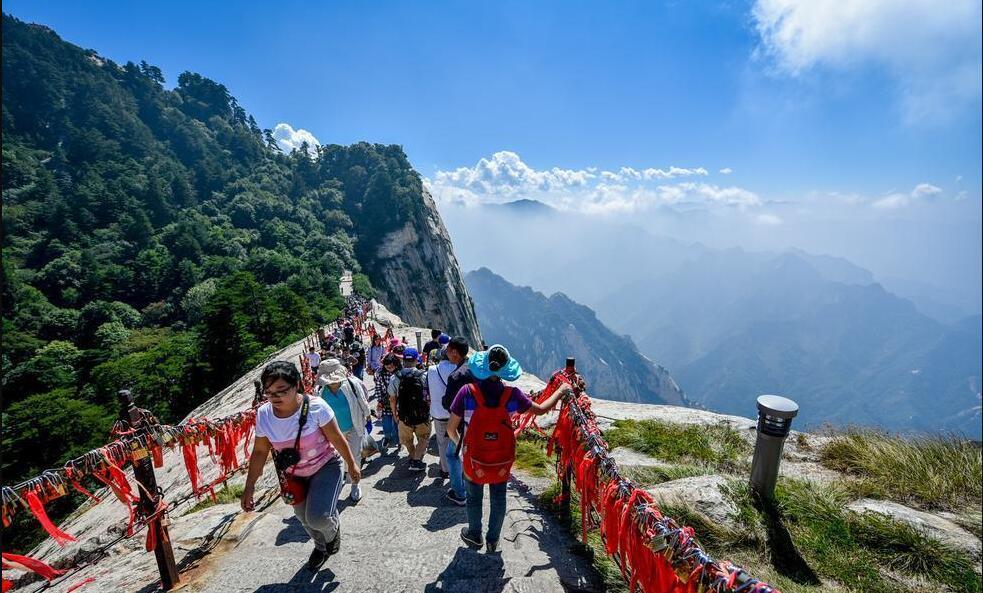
(441,389)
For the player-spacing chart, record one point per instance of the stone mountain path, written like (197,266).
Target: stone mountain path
(400,537)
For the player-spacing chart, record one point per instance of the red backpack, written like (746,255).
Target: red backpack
(489,441)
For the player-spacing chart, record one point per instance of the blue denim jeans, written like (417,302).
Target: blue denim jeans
(496,494)
(455,469)
(389,430)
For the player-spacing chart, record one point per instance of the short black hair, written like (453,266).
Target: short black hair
(459,345)
(435,333)
(280,369)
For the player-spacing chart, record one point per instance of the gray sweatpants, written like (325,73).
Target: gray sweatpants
(319,511)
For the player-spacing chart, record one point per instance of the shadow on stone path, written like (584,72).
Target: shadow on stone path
(402,536)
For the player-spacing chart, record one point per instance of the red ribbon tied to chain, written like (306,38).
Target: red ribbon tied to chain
(37,509)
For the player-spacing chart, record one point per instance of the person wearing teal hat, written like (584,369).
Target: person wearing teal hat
(490,368)
(497,362)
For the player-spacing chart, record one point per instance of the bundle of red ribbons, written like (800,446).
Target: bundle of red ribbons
(221,436)
(656,555)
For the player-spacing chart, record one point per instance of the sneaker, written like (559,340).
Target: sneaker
(470,540)
(356,493)
(333,545)
(417,465)
(491,547)
(317,559)
(444,475)
(454,498)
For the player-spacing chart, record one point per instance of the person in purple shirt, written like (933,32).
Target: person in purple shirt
(490,368)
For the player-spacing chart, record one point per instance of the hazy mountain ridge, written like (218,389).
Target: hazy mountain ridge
(542,331)
(733,324)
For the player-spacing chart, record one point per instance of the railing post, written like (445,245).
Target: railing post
(565,515)
(143,471)
(775,415)
(419,340)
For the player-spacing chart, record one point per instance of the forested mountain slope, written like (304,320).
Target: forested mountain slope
(157,239)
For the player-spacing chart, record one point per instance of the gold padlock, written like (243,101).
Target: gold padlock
(137,451)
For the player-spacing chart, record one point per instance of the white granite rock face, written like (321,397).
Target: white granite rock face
(704,493)
(933,526)
(416,274)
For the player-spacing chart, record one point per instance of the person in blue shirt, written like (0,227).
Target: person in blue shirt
(348,399)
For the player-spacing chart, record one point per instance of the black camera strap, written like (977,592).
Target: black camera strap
(304,407)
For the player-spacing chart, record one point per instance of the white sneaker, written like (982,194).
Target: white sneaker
(356,493)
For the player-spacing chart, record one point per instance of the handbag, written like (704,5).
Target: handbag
(293,489)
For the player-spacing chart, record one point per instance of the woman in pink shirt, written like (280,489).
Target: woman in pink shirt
(280,425)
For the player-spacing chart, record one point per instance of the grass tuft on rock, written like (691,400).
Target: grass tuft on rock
(717,445)
(223,496)
(530,456)
(651,475)
(931,472)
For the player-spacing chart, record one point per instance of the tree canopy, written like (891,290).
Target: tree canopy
(156,239)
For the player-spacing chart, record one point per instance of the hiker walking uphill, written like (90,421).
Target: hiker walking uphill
(488,446)
(456,354)
(408,398)
(306,440)
(347,397)
(437,375)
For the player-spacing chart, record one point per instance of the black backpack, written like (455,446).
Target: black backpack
(411,398)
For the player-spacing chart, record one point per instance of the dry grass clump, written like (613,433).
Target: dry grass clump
(931,472)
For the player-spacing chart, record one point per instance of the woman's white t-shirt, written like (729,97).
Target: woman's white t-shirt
(315,450)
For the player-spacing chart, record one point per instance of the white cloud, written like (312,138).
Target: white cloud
(726,171)
(931,49)
(768,219)
(504,176)
(925,189)
(289,139)
(895,200)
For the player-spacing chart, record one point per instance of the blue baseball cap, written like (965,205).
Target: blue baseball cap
(411,354)
(443,339)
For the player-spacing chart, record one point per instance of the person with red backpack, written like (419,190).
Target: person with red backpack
(488,444)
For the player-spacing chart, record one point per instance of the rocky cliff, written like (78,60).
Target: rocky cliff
(416,273)
(400,240)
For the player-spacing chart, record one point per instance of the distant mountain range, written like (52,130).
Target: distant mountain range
(541,332)
(732,324)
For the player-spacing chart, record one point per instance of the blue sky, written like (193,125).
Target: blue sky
(828,104)
(568,84)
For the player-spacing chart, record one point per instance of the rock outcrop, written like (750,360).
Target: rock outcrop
(931,525)
(416,274)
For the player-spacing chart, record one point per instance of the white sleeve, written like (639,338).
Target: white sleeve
(322,413)
(261,423)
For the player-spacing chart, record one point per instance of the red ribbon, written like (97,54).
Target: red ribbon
(81,583)
(80,488)
(17,561)
(189,449)
(37,509)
